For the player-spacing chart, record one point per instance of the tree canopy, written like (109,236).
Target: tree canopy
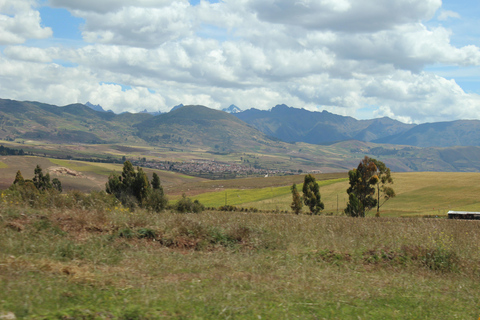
(133,189)
(369,177)
(311,194)
(296,200)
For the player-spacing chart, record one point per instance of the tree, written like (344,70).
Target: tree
(185,205)
(354,206)
(384,179)
(57,185)
(156,181)
(19,179)
(41,181)
(37,189)
(296,200)
(133,189)
(311,194)
(140,186)
(371,175)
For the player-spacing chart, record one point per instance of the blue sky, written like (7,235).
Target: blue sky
(412,61)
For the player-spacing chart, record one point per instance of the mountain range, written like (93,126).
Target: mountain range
(210,127)
(299,125)
(310,137)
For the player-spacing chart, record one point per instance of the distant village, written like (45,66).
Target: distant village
(210,169)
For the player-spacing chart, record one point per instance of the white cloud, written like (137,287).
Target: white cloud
(20,22)
(340,55)
(346,15)
(105,6)
(28,54)
(146,27)
(446,14)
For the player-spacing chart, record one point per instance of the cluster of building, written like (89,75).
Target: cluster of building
(202,167)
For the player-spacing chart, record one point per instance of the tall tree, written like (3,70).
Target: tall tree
(371,175)
(140,186)
(41,181)
(296,200)
(311,194)
(384,190)
(156,181)
(19,179)
(133,189)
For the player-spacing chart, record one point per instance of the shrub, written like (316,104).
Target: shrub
(228,208)
(186,204)
(134,190)
(145,233)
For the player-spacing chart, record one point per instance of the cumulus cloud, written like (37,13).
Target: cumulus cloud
(339,55)
(344,15)
(146,27)
(20,22)
(446,14)
(105,6)
(28,54)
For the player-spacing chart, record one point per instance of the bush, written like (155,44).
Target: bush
(156,200)
(228,208)
(134,190)
(185,205)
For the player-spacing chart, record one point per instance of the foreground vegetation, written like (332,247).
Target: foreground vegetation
(109,263)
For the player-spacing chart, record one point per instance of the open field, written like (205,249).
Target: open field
(88,175)
(418,193)
(101,264)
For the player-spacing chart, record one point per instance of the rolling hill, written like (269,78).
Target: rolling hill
(71,123)
(299,125)
(311,140)
(439,134)
(199,126)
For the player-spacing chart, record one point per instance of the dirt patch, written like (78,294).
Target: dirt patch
(62,171)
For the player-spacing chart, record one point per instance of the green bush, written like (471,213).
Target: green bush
(186,205)
(135,191)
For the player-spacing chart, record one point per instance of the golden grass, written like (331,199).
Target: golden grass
(418,194)
(285,265)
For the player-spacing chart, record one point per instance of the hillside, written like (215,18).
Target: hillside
(191,133)
(299,125)
(71,123)
(440,134)
(199,126)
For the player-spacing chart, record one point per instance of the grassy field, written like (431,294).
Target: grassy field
(418,194)
(91,175)
(252,196)
(101,264)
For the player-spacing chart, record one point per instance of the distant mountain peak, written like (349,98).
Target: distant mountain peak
(232,109)
(96,107)
(154,113)
(177,107)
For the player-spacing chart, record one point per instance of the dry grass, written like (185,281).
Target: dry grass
(218,265)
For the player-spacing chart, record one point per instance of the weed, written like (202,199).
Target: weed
(440,259)
(44,224)
(126,233)
(146,233)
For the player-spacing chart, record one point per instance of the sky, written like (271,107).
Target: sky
(414,61)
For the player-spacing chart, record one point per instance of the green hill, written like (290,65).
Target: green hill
(72,123)
(202,127)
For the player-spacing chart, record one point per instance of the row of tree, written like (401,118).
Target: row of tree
(370,183)
(40,181)
(133,189)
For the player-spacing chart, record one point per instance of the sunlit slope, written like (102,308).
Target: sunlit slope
(418,194)
(81,175)
(199,126)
